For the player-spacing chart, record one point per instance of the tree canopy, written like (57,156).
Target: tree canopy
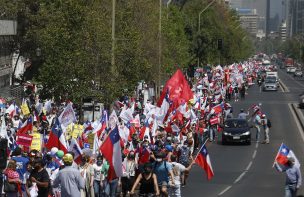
(75,40)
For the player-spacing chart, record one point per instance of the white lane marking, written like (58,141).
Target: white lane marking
(257,145)
(249,166)
(297,121)
(292,78)
(260,89)
(281,87)
(240,177)
(225,190)
(254,154)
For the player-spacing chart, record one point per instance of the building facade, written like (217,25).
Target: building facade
(8,29)
(294,17)
(249,20)
(283,31)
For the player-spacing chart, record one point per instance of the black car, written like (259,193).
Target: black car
(236,130)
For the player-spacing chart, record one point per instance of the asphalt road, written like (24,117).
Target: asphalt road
(242,170)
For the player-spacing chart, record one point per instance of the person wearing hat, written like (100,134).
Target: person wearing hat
(69,178)
(264,124)
(293,176)
(243,115)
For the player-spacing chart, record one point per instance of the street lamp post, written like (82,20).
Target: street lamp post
(113,38)
(199,23)
(169,1)
(93,103)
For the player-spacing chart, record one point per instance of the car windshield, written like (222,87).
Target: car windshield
(236,124)
(270,80)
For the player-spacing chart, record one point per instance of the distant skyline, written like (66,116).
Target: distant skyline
(260,6)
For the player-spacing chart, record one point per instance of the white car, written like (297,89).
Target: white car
(291,69)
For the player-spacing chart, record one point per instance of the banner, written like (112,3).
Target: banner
(67,116)
(91,140)
(24,140)
(77,130)
(36,142)
(25,110)
(73,131)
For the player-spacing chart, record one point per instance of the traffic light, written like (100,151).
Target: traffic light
(219,44)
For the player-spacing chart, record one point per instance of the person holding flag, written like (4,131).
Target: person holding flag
(287,162)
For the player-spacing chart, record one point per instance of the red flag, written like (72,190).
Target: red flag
(179,90)
(203,160)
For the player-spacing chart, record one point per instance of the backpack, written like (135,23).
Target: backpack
(184,156)
(268,123)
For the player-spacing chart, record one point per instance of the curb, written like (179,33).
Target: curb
(283,86)
(299,115)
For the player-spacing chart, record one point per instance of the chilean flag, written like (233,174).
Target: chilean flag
(26,126)
(203,161)
(57,138)
(13,110)
(102,124)
(75,148)
(2,103)
(283,154)
(145,131)
(111,151)
(131,129)
(217,109)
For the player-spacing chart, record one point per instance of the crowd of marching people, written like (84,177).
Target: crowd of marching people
(142,147)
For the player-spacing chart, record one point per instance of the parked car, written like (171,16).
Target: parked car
(236,130)
(298,73)
(270,84)
(301,102)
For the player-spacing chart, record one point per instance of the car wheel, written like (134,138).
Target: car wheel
(224,142)
(248,142)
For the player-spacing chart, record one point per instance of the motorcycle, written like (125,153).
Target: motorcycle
(259,82)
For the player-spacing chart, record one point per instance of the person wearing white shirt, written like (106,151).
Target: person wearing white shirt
(175,184)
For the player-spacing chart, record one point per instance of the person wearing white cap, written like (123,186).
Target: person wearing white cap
(293,177)
(264,123)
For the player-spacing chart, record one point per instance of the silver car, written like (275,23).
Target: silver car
(270,84)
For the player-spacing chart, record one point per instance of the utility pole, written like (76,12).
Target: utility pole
(159,45)
(113,69)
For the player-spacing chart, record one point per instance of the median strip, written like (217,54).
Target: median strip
(283,87)
(298,116)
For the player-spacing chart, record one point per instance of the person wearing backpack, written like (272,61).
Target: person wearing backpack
(184,159)
(163,170)
(266,124)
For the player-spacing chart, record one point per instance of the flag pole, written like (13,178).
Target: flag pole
(200,149)
(277,155)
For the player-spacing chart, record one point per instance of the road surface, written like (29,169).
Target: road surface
(242,170)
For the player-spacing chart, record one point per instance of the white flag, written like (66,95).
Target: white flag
(67,116)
